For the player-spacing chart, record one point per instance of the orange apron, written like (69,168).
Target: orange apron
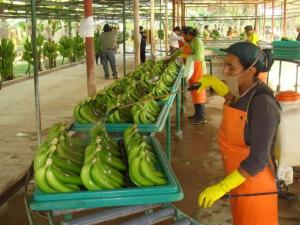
(197,98)
(253,210)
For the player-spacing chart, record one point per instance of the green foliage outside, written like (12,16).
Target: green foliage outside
(65,47)
(50,52)
(78,47)
(7,57)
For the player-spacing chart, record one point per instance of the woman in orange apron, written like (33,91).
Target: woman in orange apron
(193,47)
(246,137)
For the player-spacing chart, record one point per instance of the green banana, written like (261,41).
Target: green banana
(86,178)
(64,154)
(147,171)
(111,160)
(55,183)
(100,178)
(42,156)
(135,174)
(86,114)
(75,150)
(40,180)
(66,164)
(143,118)
(78,116)
(112,173)
(65,177)
(136,117)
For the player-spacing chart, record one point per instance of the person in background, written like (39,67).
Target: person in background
(97,46)
(298,30)
(181,43)
(251,35)
(108,40)
(143,45)
(174,39)
(194,49)
(251,116)
(229,33)
(206,33)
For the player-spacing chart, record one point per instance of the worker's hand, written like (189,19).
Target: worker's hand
(167,59)
(211,194)
(207,81)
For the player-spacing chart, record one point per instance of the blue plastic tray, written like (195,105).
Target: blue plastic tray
(118,197)
(144,128)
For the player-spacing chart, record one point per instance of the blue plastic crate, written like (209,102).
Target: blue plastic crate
(118,197)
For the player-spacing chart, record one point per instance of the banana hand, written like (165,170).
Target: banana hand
(212,81)
(211,194)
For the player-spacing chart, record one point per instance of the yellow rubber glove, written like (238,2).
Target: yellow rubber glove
(213,82)
(211,194)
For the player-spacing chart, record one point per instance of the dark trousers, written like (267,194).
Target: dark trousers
(108,56)
(143,55)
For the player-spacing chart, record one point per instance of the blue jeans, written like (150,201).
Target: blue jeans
(109,56)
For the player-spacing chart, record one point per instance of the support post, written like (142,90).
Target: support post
(182,14)
(255,21)
(166,28)
(284,18)
(272,20)
(137,39)
(173,14)
(168,137)
(264,21)
(124,41)
(152,28)
(36,74)
(89,49)
(177,13)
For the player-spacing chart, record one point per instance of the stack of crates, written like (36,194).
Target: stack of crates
(286,50)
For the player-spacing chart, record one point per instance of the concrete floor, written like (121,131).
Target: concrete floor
(195,167)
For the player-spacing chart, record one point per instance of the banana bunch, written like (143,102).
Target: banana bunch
(148,81)
(7,57)
(65,47)
(161,89)
(88,112)
(170,74)
(102,164)
(114,102)
(142,68)
(58,162)
(78,47)
(145,113)
(141,160)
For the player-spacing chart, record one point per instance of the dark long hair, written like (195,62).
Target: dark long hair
(190,31)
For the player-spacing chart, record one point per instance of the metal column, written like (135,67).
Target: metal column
(124,41)
(36,75)
(168,137)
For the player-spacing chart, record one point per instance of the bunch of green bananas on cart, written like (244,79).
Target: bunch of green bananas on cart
(58,162)
(102,167)
(141,160)
(145,112)
(142,68)
(87,112)
(149,78)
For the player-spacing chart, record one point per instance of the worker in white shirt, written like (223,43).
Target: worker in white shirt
(174,38)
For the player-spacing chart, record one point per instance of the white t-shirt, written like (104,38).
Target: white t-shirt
(173,40)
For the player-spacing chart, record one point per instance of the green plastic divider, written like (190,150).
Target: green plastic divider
(118,197)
